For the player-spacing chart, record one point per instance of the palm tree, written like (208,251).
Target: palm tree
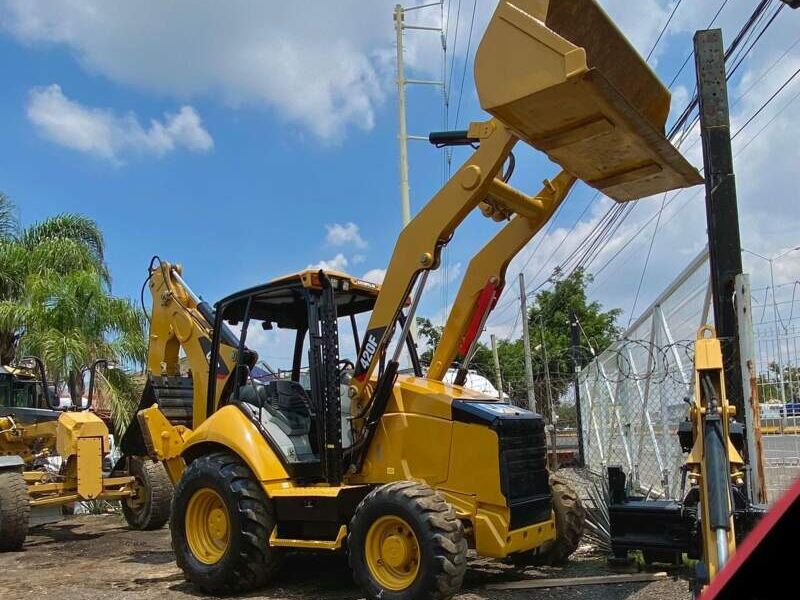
(55,303)
(56,246)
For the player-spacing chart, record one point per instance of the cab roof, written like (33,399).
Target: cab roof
(282,300)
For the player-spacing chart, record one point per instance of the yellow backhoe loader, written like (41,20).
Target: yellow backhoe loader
(53,457)
(405,471)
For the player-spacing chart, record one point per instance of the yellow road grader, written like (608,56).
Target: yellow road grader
(403,471)
(52,458)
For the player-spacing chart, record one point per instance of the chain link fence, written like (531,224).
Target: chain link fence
(778,383)
(633,394)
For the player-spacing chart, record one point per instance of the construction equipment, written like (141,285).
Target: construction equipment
(35,434)
(409,470)
(714,514)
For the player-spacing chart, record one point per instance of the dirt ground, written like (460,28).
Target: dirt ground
(97,557)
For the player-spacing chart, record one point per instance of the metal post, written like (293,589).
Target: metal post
(550,409)
(523,307)
(747,356)
(721,210)
(402,136)
(576,369)
(497,374)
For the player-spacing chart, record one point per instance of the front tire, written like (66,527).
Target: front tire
(221,523)
(406,542)
(570,519)
(15,511)
(149,508)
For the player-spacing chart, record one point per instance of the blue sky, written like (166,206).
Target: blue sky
(231,139)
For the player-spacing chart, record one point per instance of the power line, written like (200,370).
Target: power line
(688,199)
(466,61)
(748,29)
(605,229)
(763,106)
(663,29)
(646,261)
(455,42)
(765,72)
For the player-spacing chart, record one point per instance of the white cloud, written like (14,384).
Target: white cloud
(319,65)
(324,66)
(103,133)
(342,235)
(337,263)
(442,276)
(374,275)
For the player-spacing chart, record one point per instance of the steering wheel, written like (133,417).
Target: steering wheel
(342,366)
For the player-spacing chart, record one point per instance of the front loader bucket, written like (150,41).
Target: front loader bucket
(563,78)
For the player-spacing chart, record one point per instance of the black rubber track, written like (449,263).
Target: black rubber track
(570,519)
(15,511)
(439,533)
(154,513)
(249,562)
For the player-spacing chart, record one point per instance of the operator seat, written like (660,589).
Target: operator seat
(282,408)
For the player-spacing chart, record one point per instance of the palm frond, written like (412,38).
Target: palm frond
(66,225)
(121,391)
(598,520)
(62,255)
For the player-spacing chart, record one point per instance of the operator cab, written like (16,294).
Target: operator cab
(304,411)
(22,395)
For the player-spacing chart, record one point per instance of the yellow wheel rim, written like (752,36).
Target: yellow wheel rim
(392,553)
(207,526)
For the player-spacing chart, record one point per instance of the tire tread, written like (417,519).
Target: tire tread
(255,565)
(444,528)
(15,511)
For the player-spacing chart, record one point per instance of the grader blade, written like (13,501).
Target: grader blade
(567,82)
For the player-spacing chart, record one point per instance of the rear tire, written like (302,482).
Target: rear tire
(15,511)
(570,519)
(430,564)
(151,506)
(239,558)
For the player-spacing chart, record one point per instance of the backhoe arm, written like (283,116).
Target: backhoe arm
(180,319)
(485,277)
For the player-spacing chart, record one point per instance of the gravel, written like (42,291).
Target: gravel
(97,557)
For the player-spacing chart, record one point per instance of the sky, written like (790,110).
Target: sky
(246,140)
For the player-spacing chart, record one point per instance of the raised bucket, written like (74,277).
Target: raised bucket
(563,77)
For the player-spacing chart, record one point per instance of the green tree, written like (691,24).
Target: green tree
(55,247)
(432,334)
(549,332)
(55,303)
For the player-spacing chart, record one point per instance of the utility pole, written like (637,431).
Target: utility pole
(402,135)
(498,377)
(724,245)
(523,307)
(576,369)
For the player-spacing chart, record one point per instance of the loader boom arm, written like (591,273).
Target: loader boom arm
(486,275)
(420,243)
